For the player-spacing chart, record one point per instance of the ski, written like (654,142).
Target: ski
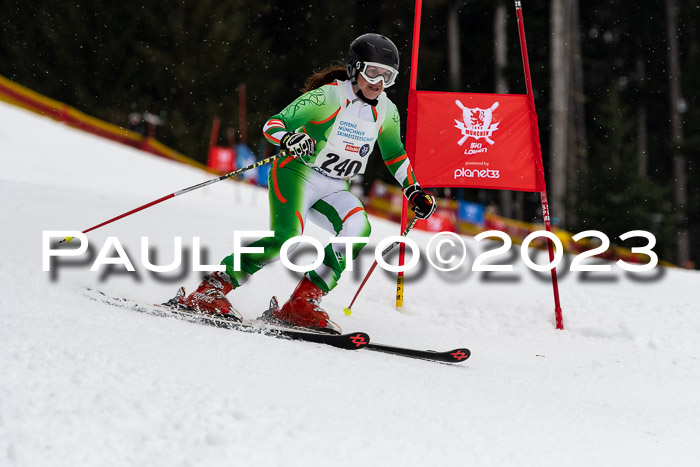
(350,341)
(450,356)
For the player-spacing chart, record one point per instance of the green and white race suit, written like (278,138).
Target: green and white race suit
(345,130)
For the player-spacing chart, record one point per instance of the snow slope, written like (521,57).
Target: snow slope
(86,384)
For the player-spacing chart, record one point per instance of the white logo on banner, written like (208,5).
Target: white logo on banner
(476,123)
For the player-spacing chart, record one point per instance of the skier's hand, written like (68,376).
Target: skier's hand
(423,204)
(298,145)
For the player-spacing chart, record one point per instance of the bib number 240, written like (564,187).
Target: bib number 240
(343,169)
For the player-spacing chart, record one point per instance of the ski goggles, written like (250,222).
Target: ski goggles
(376,72)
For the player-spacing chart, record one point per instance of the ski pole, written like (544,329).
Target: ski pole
(348,309)
(182,192)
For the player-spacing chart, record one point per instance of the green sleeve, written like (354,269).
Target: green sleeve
(393,151)
(311,113)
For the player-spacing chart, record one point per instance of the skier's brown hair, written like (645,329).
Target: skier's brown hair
(335,70)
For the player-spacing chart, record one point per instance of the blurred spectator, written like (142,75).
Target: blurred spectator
(153,121)
(137,124)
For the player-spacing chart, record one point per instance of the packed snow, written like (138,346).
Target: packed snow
(83,383)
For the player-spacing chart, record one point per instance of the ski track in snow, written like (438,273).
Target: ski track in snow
(87,384)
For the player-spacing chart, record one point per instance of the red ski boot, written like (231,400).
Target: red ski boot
(303,310)
(210,297)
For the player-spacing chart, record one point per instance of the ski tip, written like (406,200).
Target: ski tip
(459,355)
(357,340)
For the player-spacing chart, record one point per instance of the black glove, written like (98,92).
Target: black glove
(423,204)
(298,144)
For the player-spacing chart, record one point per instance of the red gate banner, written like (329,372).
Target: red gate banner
(474,140)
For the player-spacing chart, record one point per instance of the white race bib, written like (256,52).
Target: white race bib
(350,142)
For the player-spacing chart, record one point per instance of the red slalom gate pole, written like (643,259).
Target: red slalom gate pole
(411,90)
(181,192)
(540,168)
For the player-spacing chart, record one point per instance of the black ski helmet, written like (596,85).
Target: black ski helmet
(371,47)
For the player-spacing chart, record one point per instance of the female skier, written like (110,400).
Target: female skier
(327,135)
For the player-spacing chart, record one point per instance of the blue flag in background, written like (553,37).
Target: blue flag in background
(473,213)
(263,174)
(244,157)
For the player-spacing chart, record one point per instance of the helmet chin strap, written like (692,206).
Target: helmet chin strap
(363,98)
